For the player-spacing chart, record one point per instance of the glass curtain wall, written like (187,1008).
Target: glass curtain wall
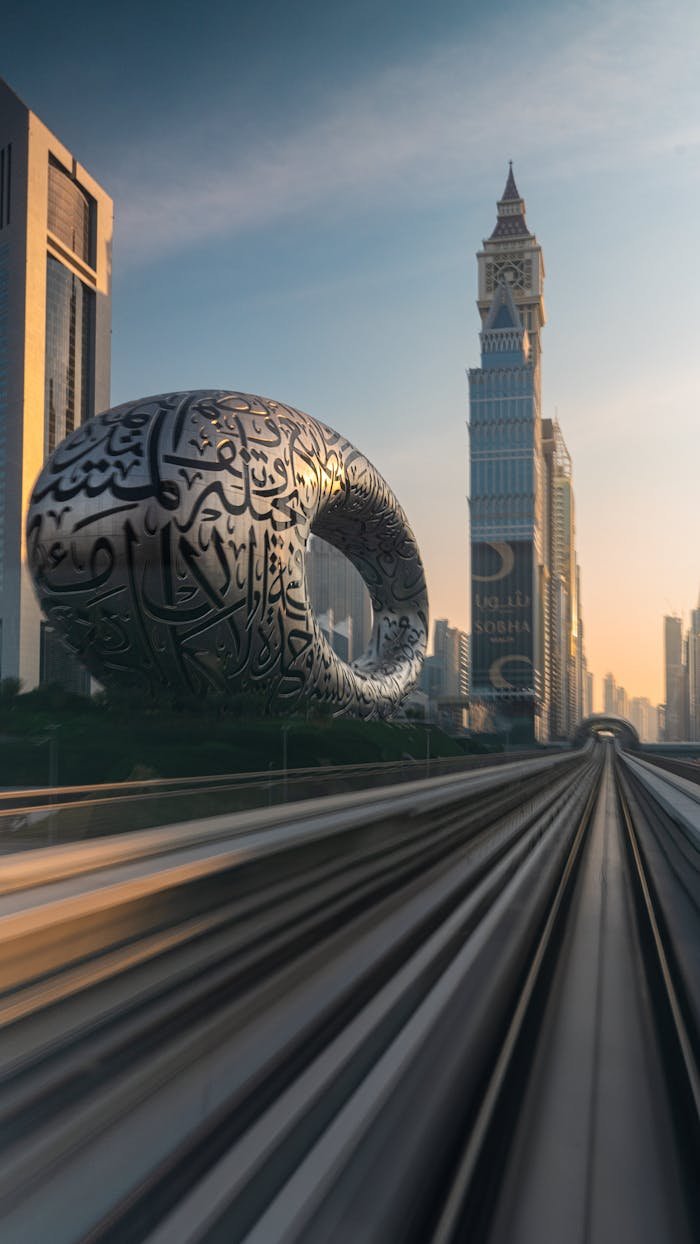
(71,213)
(70,315)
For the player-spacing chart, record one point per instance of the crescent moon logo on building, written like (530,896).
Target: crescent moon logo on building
(498,678)
(507,556)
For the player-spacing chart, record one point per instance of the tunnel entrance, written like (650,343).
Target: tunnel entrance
(606,723)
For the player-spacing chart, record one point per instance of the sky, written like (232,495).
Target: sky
(300,189)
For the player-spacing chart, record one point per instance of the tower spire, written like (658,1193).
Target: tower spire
(511,190)
(512,255)
(511,211)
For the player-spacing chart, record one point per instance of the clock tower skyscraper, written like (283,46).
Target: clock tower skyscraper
(509,600)
(513,255)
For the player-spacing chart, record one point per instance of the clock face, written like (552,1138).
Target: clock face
(511,268)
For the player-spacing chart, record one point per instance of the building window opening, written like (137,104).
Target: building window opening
(71,213)
(69,370)
(339,599)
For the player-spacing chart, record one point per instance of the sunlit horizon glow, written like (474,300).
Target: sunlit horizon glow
(299,197)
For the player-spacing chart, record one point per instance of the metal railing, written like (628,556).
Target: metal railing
(46,816)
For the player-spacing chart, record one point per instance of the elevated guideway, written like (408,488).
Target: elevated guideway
(45,816)
(397,1014)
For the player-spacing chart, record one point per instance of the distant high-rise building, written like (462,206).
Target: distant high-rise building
(445,674)
(508,556)
(609,694)
(55,316)
(636,714)
(527,652)
(565,625)
(442,672)
(581,664)
(621,702)
(446,650)
(694,675)
(652,730)
(642,714)
(464,650)
(339,598)
(676,681)
(588,694)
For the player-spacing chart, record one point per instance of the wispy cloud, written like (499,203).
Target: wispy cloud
(615,84)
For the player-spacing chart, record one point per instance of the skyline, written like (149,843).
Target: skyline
(335,230)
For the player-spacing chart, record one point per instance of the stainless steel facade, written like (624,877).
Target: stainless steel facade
(167,539)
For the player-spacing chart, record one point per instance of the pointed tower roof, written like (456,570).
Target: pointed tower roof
(504,341)
(511,211)
(511,190)
(503,312)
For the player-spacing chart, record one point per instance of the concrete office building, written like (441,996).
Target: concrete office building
(55,325)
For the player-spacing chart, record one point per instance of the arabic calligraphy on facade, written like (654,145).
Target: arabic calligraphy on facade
(166,541)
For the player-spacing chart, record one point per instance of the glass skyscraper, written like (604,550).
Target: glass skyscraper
(55,323)
(70,315)
(506,486)
(528,663)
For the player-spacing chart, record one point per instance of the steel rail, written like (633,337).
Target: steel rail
(689,769)
(464,1198)
(683,1058)
(339,890)
(44,798)
(672,865)
(341,1044)
(499,865)
(58,863)
(476,1187)
(179,1173)
(458,827)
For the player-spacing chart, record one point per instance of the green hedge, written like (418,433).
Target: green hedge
(103,742)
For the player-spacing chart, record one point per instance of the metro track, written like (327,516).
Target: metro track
(689,769)
(336,1030)
(246,939)
(593,1132)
